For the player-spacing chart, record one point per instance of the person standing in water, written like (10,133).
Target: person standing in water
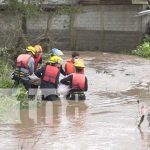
(143,113)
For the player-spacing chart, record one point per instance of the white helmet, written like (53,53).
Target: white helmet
(56,51)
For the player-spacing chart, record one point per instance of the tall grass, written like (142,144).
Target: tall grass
(5,72)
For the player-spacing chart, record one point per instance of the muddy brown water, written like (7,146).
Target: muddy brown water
(107,120)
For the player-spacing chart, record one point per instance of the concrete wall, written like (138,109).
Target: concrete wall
(104,2)
(59,30)
(97,27)
(52,2)
(139,2)
(9,28)
(108,28)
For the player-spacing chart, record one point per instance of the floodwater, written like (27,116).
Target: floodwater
(107,120)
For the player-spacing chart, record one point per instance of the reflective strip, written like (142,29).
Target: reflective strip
(20,73)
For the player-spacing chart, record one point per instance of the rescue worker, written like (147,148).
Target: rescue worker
(69,66)
(77,81)
(38,56)
(49,75)
(59,53)
(24,67)
(56,52)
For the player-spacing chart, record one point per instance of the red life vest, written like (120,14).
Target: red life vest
(36,61)
(78,81)
(51,72)
(22,61)
(69,67)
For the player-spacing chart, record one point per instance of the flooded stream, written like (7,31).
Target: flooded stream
(107,120)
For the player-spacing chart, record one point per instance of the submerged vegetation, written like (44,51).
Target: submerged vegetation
(143,50)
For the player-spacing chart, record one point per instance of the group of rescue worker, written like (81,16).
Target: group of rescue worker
(30,63)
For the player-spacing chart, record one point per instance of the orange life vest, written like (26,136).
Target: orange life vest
(50,74)
(78,81)
(69,67)
(22,61)
(36,61)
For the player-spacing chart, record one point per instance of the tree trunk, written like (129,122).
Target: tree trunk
(24,24)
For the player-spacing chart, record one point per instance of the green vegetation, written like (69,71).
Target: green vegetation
(143,49)
(24,8)
(6,69)
(21,96)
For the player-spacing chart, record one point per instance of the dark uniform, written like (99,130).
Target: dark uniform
(49,75)
(78,84)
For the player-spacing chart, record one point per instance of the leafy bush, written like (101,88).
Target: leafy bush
(143,49)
